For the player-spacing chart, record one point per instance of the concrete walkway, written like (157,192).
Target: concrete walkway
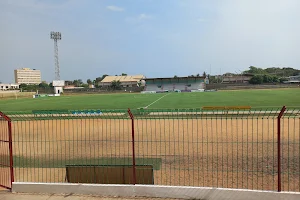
(5,195)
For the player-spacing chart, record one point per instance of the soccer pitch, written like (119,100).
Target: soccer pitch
(256,98)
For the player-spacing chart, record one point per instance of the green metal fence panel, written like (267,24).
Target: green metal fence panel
(290,150)
(46,142)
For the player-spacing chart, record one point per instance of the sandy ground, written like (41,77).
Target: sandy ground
(230,153)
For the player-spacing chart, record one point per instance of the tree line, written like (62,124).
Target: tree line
(260,75)
(270,75)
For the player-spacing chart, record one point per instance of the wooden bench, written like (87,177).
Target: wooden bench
(226,108)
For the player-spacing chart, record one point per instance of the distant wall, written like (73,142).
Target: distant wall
(248,86)
(103,90)
(14,94)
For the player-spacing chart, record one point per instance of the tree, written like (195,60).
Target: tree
(256,79)
(28,87)
(123,74)
(76,83)
(99,79)
(43,85)
(89,82)
(254,70)
(267,78)
(204,74)
(275,79)
(85,85)
(214,79)
(116,85)
(276,71)
(69,82)
(198,75)
(23,86)
(175,76)
(282,80)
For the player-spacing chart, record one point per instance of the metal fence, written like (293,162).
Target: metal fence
(246,149)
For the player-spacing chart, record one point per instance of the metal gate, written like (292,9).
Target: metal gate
(6,158)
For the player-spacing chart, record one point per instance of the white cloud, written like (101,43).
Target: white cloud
(144,16)
(115,8)
(139,18)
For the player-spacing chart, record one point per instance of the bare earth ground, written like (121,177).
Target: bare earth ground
(230,153)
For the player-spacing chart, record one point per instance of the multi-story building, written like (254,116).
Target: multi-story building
(236,78)
(28,76)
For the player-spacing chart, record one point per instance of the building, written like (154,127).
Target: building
(126,81)
(9,86)
(28,76)
(236,78)
(293,79)
(175,84)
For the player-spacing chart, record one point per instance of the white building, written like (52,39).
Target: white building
(294,79)
(13,86)
(28,76)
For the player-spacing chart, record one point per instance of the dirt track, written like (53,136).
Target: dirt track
(227,153)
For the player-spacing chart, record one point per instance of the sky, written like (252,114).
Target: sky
(156,38)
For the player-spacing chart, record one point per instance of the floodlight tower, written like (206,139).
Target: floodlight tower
(56,36)
(57,83)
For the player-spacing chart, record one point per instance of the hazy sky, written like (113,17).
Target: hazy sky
(157,38)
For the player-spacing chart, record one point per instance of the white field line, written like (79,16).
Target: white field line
(157,100)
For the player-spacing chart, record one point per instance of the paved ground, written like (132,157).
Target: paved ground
(4,195)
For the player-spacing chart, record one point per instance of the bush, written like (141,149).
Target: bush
(281,80)
(257,79)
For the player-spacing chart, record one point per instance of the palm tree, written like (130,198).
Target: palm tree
(116,85)
(89,82)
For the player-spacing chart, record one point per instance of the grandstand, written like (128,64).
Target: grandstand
(181,84)
(125,81)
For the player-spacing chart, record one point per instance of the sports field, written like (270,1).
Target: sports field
(256,98)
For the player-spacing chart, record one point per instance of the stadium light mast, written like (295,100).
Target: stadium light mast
(56,36)
(57,83)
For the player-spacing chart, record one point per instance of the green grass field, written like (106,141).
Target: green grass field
(255,98)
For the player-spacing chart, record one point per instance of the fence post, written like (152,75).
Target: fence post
(279,146)
(11,162)
(133,150)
